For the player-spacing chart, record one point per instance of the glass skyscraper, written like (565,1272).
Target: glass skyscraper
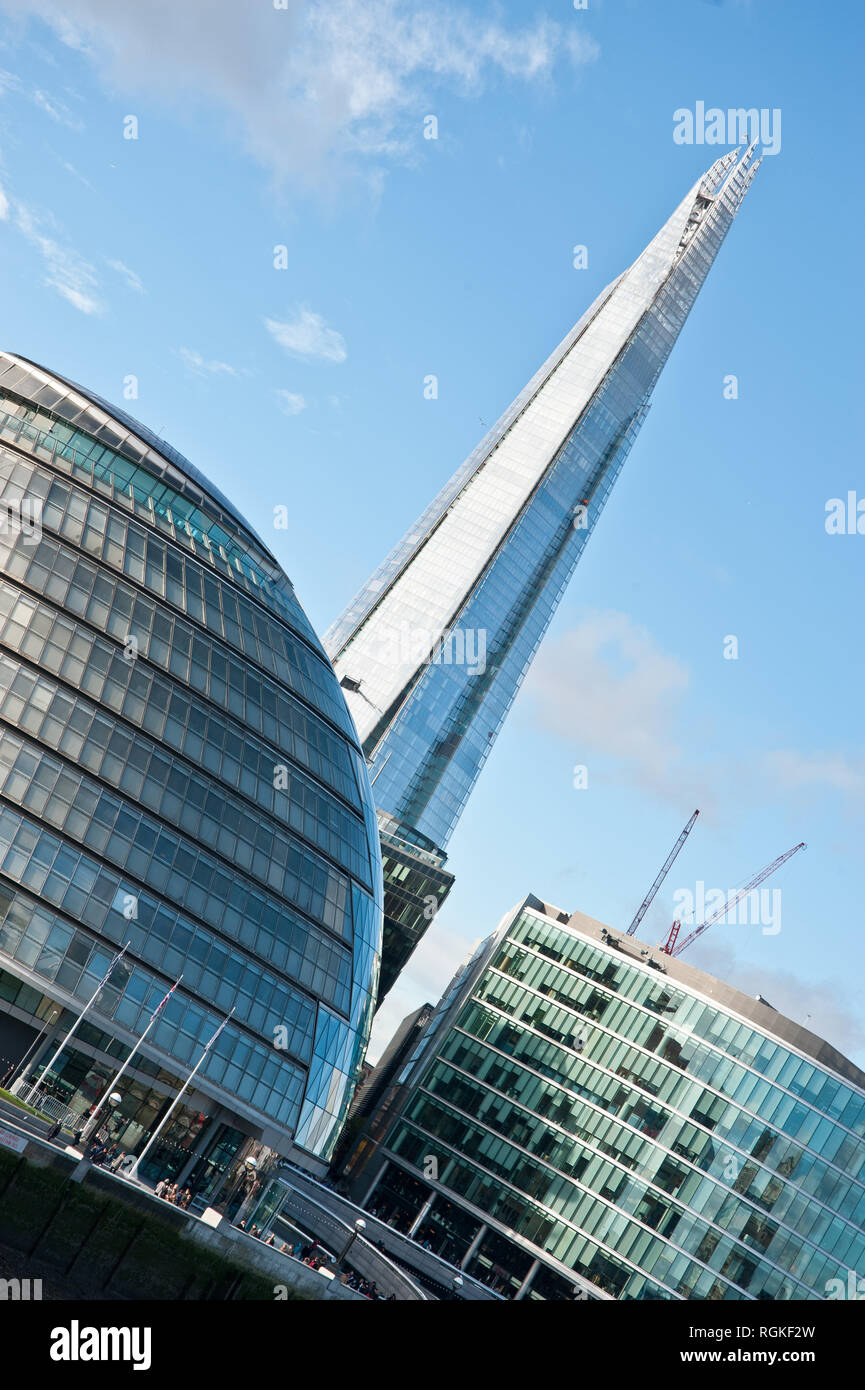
(432,651)
(584,1116)
(179,771)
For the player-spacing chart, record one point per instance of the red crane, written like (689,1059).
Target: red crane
(647,901)
(670,946)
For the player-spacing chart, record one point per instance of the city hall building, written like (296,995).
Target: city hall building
(584,1116)
(179,772)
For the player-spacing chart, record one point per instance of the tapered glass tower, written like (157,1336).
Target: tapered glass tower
(432,651)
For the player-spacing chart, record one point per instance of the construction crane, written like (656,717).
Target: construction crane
(668,864)
(670,947)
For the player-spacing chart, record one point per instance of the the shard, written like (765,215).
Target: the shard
(432,651)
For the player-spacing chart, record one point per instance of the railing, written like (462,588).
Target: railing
(49,1106)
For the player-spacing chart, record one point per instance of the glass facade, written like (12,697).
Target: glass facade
(596,1111)
(432,652)
(178,770)
(416,884)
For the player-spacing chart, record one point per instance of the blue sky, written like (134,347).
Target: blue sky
(303,127)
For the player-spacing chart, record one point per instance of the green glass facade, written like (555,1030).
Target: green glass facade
(614,1118)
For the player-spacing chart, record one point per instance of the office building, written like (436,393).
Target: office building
(585,1116)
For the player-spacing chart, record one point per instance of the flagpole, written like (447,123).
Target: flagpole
(98,990)
(133,1172)
(110,1087)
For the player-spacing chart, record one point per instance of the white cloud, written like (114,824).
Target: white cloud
(307,335)
(4,205)
(132,280)
(430,969)
(57,110)
(795,771)
(291,402)
(67,272)
(619,700)
(825,1007)
(609,689)
(320,83)
(9,82)
(202,366)
(76,173)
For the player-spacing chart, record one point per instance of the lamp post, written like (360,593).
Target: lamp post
(247,1176)
(114,1100)
(94,1114)
(359,1228)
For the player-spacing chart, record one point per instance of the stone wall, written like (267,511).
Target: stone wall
(87,1233)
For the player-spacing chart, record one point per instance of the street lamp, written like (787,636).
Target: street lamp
(359,1228)
(112,1100)
(246,1176)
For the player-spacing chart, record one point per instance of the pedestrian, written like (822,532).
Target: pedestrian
(185,1198)
(160,1187)
(54,1130)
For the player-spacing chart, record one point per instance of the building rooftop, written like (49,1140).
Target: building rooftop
(152,442)
(753,1008)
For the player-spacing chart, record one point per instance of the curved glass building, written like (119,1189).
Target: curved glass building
(179,771)
(588,1117)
